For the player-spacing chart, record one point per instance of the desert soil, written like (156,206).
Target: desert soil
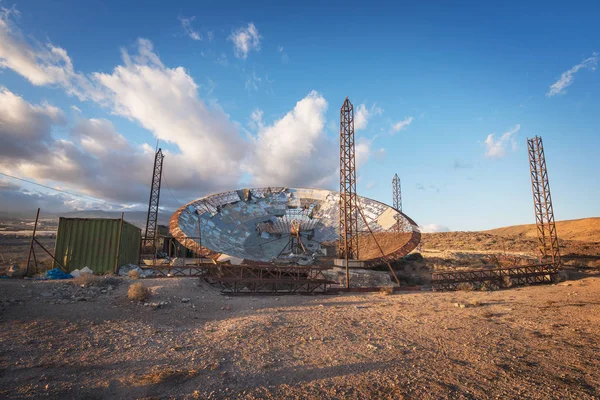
(585,229)
(60,340)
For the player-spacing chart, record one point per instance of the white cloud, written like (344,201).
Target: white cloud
(294,150)
(40,65)
(566,79)
(362,151)
(166,102)
(245,40)
(398,126)
(90,160)
(186,24)
(433,228)
(363,114)
(25,129)
(207,153)
(497,148)
(15,199)
(76,109)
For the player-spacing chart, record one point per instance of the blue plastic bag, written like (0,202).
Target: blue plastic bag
(57,274)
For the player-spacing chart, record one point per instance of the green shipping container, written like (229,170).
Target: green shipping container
(94,243)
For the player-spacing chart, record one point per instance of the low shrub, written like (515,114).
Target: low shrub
(386,290)
(137,291)
(134,274)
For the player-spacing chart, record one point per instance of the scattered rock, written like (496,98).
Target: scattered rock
(15,271)
(185,300)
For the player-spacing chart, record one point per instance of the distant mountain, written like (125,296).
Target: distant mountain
(138,218)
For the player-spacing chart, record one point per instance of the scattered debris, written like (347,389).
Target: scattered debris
(57,274)
(14,271)
(126,270)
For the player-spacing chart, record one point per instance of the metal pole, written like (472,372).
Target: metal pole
(119,243)
(31,243)
(51,255)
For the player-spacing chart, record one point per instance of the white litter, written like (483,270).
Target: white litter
(86,270)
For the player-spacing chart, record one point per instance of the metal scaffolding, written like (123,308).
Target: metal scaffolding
(151,233)
(397,193)
(491,279)
(397,200)
(267,278)
(348,242)
(542,201)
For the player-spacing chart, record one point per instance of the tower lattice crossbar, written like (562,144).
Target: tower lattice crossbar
(542,202)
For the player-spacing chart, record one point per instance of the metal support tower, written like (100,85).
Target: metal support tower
(348,243)
(542,202)
(397,199)
(151,234)
(397,193)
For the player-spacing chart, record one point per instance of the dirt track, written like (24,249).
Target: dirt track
(533,342)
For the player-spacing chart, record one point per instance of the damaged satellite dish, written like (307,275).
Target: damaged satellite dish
(289,226)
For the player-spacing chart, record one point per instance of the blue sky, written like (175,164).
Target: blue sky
(249,94)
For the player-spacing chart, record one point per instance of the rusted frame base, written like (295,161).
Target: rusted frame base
(375,289)
(188,271)
(494,278)
(270,279)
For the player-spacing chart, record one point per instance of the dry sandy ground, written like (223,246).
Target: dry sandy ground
(585,229)
(532,342)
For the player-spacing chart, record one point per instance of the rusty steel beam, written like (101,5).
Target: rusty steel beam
(37,216)
(542,202)
(496,278)
(267,278)
(348,242)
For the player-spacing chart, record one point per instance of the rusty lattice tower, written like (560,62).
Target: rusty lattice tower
(397,193)
(397,198)
(151,233)
(542,202)
(348,243)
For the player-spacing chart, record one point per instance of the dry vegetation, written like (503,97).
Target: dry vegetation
(134,274)
(138,292)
